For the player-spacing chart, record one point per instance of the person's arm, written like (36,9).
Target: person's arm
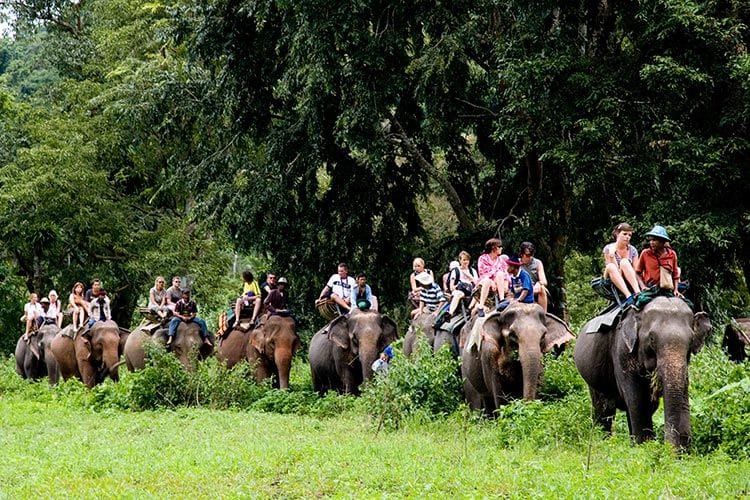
(152,297)
(542,276)
(107,309)
(524,293)
(607,255)
(413,283)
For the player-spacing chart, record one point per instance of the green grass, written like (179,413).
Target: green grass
(69,442)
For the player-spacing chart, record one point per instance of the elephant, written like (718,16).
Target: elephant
(34,359)
(436,337)
(269,349)
(736,339)
(507,362)
(92,356)
(342,353)
(186,339)
(644,356)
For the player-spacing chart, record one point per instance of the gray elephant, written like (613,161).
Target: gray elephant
(187,339)
(93,356)
(34,359)
(342,353)
(269,348)
(436,337)
(645,356)
(737,339)
(502,356)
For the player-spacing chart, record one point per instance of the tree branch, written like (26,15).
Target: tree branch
(465,223)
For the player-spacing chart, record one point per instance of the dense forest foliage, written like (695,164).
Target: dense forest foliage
(144,138)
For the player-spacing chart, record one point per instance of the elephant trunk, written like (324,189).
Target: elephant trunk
(111,365)
(283,361)
(367,356)
(531,366)
(673,376)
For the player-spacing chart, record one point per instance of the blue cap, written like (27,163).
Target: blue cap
(388,352)
(659,232)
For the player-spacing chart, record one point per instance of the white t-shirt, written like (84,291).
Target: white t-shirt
(52,310)
(33,310)
(342,288)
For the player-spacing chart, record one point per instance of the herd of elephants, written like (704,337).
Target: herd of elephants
(628,365)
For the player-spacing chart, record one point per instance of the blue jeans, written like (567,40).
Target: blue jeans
(175,322)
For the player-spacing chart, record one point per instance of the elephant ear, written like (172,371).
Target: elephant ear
(258,340)
(701,327)
(629,326)
(497,326)
(390,332)
(558,334)
(338,332)
(124,334)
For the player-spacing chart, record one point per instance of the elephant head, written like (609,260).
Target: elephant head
(99,354)
(525,330)
(363,335)
(660,339)
(273,346)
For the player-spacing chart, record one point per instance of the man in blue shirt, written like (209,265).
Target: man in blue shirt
(520,282)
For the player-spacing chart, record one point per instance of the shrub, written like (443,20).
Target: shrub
(583,302)
(561,376)
(426,384)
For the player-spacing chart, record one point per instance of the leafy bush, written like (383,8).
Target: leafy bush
(426,384)
(583,302)
(561,376)
(720,394)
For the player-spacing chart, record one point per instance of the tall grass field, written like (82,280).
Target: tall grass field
(163,432)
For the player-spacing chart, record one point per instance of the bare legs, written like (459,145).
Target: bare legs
(619,275)
(540,294)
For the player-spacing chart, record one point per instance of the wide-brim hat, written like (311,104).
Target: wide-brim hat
(44,300)
(659,232)
(514,261)
(283,280)
(424,278)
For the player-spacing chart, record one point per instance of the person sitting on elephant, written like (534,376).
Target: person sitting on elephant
(157,298)
(620,259)
(31,311)
(535,268)
(174,293)
(657,265)
(77,305)
(339,288)
(520,282)
(383,363)
(186,310)
(418,266)
(431,296)
(93,292)
(493,275)
(454,264)
(251,296)
(362,296)
(55,308)
(276,302)
(99,309)
(461,281)
(48,315)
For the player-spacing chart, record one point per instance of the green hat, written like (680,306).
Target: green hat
(363,304)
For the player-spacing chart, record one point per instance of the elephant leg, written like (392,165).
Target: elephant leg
(88,374)
(604,409)
(638,403)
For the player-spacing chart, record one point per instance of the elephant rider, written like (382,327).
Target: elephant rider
(49,313)
(431,296)
(493,276)
(535,268)
(157,298)
(185,310)
(99,309)
(657,265)
(363,292)
(93,292)
(31,311)
(520,282)
(276,302)
(174,292)
(250,296)
(418,266)
(339,288)
(55,308)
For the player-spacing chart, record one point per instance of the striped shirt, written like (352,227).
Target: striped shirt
(432,296)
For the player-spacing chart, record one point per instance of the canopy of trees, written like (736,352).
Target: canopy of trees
(142,138)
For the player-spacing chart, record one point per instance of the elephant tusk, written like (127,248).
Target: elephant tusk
(110,368)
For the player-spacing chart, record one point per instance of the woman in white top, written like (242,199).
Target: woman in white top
(78,306)
(620,258)
(461,281)
(55,309)
(157,298)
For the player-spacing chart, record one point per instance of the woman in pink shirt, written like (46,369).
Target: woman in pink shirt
(493,274)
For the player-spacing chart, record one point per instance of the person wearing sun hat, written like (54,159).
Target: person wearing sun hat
(431,296)
(659,255)
(520,281)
